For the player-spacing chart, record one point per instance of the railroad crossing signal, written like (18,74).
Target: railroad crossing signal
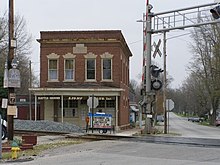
(157,50)
(215,12)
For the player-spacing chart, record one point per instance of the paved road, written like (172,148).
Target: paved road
(191,129)
(129,153)
(147,150)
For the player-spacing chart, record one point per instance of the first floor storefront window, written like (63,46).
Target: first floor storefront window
(70,113)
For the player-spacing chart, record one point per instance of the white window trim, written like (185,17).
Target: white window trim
(90,56)
(106,55)
(102,71)
(53,56)
(69,56)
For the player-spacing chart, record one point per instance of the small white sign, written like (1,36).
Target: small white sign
(14,78)
(4,103)
(95,102)
(5,84)
(149,116)
(12,110)
(169,104)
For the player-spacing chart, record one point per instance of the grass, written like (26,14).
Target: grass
(38,149)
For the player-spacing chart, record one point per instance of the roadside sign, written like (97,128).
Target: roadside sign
(12,110)
(157,50)
(169,104)
(149,116)
(14,78)
(4,103)
(12,98)
(95,102)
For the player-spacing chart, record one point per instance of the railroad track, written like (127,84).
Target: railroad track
(91,136)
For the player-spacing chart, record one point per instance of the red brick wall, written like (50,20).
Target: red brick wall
(98,43)
(80,63)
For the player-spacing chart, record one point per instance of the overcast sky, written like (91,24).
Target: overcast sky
(41,15)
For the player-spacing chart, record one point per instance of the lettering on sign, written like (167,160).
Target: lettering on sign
(22,100)
(105,98)
(75,98)
(48,98)
(12,98)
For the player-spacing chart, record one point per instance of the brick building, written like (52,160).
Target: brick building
(75,65)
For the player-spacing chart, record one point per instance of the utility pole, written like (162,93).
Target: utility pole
(164,82)
(30,85)
(10,118)
(143,84)
(147,62)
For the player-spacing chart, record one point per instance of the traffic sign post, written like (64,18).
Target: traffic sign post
(169,104)
(169,107)
(92,102)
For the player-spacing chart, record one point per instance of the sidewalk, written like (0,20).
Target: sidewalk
(129,132)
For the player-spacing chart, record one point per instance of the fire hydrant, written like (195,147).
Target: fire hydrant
(14,150)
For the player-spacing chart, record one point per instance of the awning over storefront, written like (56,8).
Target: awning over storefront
(46,94)
(76,91)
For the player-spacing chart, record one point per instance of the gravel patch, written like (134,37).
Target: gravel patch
(48,126)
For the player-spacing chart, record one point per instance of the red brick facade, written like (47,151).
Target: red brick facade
(81,45)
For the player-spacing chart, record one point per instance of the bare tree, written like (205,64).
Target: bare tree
(135,89)
(22,51)
(205,67)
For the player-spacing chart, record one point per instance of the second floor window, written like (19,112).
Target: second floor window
(69,69)
(107,69)
(90,69)
(52,70)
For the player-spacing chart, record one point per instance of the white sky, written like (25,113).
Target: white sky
(41,15)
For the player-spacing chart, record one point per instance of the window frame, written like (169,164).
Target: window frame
(106,56)
(69,56)
(103,69)
(49,70)
(91,69)
(73,69)
(70,112)
(51,57)
(90,56)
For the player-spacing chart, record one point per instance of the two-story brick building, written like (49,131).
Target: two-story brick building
(75,65)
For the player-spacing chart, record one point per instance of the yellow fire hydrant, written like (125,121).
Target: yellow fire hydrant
(14,150)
